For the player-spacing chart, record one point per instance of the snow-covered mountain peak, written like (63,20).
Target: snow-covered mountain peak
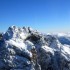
(16,32)
(27,49)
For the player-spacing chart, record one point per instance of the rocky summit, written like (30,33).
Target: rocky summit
(28,49)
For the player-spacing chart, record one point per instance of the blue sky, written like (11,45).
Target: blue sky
(43,15)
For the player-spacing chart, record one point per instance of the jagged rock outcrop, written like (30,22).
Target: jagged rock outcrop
(28,49)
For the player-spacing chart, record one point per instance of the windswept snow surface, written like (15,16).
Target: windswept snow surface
(27,49)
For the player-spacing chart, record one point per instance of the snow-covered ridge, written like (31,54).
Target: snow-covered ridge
(27,49)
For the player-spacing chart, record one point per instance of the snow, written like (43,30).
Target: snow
(66,49)
(20,45)
(48,49)
(30,45)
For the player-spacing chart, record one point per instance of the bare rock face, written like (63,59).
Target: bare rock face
(28,49)
(1,35)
